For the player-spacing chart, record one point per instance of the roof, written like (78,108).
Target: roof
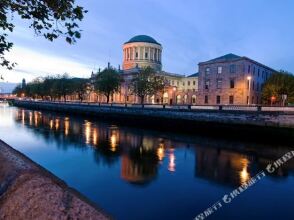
(142,38)
(234,57)
(194,75)
(227,57)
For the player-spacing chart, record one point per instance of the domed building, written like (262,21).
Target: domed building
(142,51)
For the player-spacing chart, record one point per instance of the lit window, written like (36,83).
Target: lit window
(219,69)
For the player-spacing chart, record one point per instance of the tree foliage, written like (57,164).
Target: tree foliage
(278,84)
(48,18)
(108,82)
(146,82)
(54,87)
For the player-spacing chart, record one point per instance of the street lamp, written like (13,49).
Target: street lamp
(249,85)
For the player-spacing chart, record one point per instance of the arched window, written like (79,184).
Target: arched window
(178,99)
(193,99)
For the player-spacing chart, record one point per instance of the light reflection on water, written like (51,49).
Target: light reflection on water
(131,172)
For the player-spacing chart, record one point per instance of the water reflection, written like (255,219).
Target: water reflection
(140,154)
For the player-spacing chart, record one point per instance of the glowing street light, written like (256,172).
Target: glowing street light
(249,85)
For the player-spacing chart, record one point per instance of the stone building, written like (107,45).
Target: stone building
(231,80)
(142,51)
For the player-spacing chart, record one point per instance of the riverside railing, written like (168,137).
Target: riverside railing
(248,108)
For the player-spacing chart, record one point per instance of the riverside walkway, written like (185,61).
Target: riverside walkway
(28,191)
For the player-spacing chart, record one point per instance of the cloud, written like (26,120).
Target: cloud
(31,64)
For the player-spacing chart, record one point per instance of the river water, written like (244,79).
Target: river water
(142,174)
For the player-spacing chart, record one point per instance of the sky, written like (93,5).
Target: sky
(190,31)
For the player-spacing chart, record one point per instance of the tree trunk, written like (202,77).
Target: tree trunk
(107,98)
(142,99)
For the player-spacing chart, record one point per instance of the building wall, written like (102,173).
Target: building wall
(141,54)
(219,84)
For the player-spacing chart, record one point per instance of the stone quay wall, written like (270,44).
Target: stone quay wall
(228,122)
(28,191)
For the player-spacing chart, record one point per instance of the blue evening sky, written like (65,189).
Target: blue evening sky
(190,31)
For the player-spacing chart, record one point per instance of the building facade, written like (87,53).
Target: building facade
(231,80)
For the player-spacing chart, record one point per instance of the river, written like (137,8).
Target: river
(137,174)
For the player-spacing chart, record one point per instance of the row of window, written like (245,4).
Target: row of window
(231,100)
(232,69)
(257,86)
(173,83)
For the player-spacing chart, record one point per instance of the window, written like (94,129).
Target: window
(258,72)
(188,83)
(178,83)
(207,70)
(207,82)
(219,69)
(219,83)
(183,83)
(253,85)
(231,99)
(252,102)
(218,98)
(257,86)
(137,55)
(206,99)
(194,83)
(266,75)
(254,70)
(249,68)
(232,68)
(146,55)
(232,83)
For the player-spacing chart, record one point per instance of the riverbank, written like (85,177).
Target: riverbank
(264,125)
(28,191)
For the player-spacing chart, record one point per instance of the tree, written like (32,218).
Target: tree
(278,84)
(108,82)
(80,87)
(146,82)
(48,18)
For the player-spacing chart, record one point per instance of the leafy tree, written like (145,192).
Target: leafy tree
(146,82)
(62,86)
(48,18)
(80,87)
(108,82)
(278,84)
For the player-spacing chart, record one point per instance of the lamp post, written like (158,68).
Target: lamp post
(249,87)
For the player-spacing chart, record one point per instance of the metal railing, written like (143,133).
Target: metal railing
(250,108)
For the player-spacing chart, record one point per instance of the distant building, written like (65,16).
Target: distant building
(231,80)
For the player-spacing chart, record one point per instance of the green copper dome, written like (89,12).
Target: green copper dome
(143,38)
